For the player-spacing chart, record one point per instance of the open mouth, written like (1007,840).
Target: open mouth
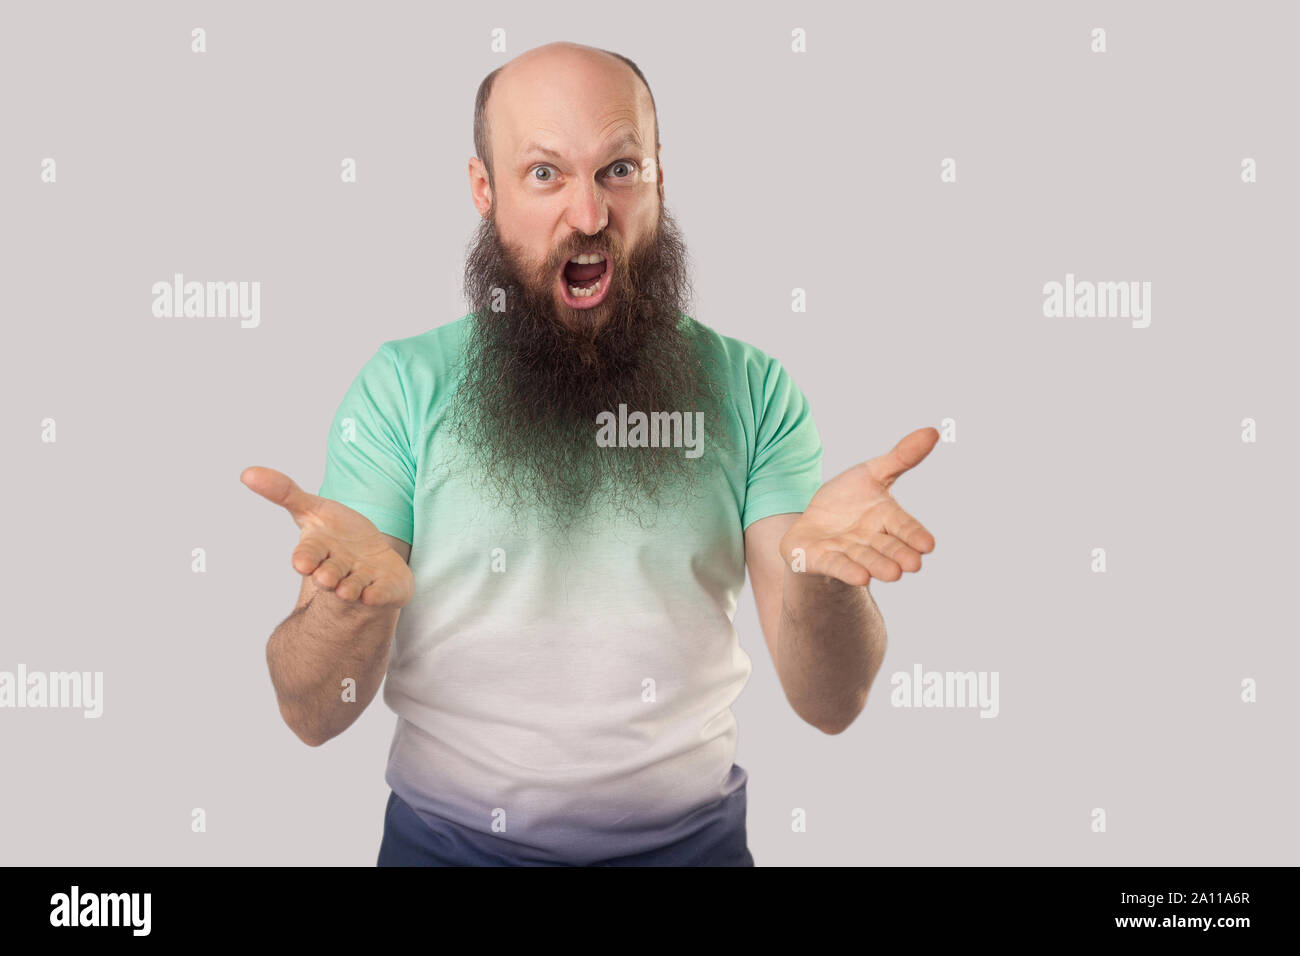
(585,280)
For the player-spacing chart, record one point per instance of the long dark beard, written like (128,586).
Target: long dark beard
(533,385)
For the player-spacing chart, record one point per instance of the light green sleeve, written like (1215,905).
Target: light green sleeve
(369,464)
(787,464)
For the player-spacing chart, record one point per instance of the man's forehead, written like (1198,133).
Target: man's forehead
(570,103)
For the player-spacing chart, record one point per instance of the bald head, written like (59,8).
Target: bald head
(513,92)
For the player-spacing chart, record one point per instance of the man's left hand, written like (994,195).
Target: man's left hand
(854,530)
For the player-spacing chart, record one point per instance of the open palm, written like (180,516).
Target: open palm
(340,548)
(854,530)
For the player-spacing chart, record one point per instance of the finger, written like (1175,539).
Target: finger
(908,530)
(311,551)
(350,588)
(876,563)
(377,592)
(908,453)
(888,545)
(331,571)
(837,564)
(279,488)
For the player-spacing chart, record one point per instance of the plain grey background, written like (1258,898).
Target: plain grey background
(817,171)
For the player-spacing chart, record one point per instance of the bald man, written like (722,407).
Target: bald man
(536,520)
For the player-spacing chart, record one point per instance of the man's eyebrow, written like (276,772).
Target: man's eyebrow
(629,139)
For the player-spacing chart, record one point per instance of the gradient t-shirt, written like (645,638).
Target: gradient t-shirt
(570,697)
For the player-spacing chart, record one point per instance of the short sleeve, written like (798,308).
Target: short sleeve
(786,469)
(369,464)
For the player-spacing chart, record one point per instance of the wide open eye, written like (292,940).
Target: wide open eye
(543,179)
(625,164)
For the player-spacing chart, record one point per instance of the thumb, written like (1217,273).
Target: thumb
(907,454)
(279,488)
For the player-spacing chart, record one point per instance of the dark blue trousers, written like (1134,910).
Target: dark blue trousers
(410,841)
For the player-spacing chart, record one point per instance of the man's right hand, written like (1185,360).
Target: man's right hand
(341,550)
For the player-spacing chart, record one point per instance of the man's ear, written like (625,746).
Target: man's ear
(659,151)
(480,186)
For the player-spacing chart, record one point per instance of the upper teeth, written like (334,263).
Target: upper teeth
(587,259)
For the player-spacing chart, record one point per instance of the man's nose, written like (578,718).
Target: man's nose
(587,211)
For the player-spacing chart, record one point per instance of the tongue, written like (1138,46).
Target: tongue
(578,273)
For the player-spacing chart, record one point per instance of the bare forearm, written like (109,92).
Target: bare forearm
(830,647)
(315,649)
